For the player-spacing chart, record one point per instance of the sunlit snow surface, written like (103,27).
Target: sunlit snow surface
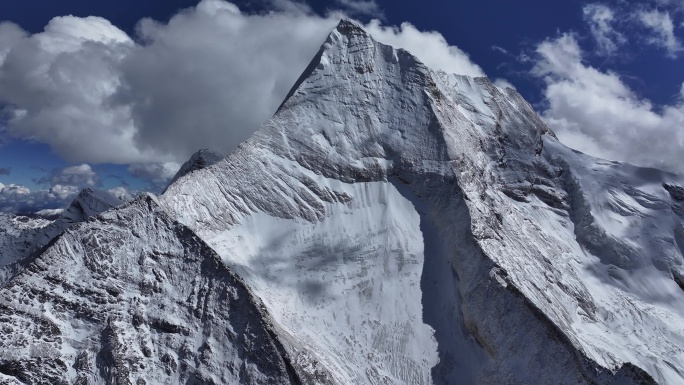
(355,275)
(393,218)
(629,259)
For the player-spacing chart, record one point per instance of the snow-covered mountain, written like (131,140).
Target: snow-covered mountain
(390,224)
(404,225)
(134,297)
(22,235)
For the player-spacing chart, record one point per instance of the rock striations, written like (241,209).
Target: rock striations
(22,236)
(390,224)
(134,298)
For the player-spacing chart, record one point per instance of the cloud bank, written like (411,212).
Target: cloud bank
(206,79)
(596,112)
(59,188)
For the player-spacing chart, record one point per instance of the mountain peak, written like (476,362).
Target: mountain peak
(371,145)
(349,27)
(199,160)
(347,34)
(87,204)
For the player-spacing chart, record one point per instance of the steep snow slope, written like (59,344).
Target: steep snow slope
(408,226)
(629,229)
(133,297)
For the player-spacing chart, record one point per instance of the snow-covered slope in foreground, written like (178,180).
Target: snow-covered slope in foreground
(134,297)
(405,226)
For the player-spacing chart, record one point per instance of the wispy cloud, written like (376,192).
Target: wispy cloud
(662,31)
(600,19)
(156,174)
(429,46)
(361,7)
(503,84)
(290,6)
(500,49)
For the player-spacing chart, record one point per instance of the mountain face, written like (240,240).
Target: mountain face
(134,298)
(21,236)
(404,225)
(390,224)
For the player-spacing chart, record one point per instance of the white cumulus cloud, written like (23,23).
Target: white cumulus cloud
(430,47)
(13,190)
(80,175)
(60,188)
(58,84)
(62,192)
(596,112)
(121,193)
(15,197)
(207,78)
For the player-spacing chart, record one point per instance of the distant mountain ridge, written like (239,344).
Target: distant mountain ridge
(199,160)
(20,240)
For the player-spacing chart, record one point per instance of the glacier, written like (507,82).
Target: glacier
(390,224)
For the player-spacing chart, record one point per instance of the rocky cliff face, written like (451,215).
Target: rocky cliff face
(20,238)
(133,297)
(389,225)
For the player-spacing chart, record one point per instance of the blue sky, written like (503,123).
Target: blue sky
(88,101)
